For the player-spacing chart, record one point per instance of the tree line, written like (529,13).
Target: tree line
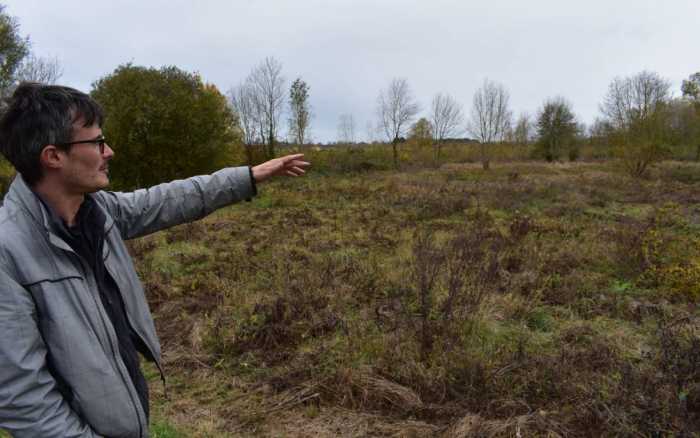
(640,121)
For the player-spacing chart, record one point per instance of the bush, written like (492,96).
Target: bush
(574,152)
(6,175)
(556,128)
(650,253)
(449,280)
(165,124)
(643,144)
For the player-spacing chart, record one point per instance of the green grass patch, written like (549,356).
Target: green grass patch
(162,429)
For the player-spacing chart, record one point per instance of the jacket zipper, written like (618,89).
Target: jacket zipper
(141,337)
(115,351)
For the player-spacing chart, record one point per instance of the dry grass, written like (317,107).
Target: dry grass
(531,300)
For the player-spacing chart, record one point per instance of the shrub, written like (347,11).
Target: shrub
(574,152)
(166,124)
(654,257)
(449,280)
(556,128)
(643,143)
(6,175)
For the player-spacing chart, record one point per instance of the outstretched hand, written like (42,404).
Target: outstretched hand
(289,165)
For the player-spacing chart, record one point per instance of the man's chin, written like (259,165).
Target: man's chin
(102,184)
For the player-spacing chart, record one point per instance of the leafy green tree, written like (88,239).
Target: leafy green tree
(165,124)
(7,172)
(421,132)
(691,91)
(13,49)
(300,111)
(691,87)
(556,128)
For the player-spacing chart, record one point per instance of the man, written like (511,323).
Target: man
(73,314)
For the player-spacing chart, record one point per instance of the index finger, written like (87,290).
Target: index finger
(293,157)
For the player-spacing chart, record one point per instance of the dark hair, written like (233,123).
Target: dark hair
(37,115)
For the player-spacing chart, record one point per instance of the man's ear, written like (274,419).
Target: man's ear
(52,157)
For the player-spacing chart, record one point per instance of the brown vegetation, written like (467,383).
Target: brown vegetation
(532,299)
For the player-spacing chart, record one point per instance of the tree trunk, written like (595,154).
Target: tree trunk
(485,164)
(438,149)
(249,153)
(271,146)
(394,145)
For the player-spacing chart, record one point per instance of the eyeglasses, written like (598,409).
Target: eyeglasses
(99,141)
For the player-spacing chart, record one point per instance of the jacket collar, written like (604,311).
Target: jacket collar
(20,194)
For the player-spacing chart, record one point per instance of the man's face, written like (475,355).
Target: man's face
(86,169)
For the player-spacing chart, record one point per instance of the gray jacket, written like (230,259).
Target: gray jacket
(52,322)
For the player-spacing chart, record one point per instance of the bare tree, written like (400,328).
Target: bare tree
(522,134)
(242,98)
(635,98)
(396,109)
(299,110)
(268,83)
(490,116)
(370,131)
(259,112)
(447,118)
(346,128)
(637,107)
(36,69)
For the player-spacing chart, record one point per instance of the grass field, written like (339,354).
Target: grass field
(535,299)
(530,300)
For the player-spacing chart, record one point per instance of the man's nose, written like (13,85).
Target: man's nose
(109,152)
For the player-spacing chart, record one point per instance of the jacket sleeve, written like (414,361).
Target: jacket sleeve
(149,210)
(30,404)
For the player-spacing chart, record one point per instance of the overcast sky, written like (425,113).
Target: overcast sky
(348,50)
